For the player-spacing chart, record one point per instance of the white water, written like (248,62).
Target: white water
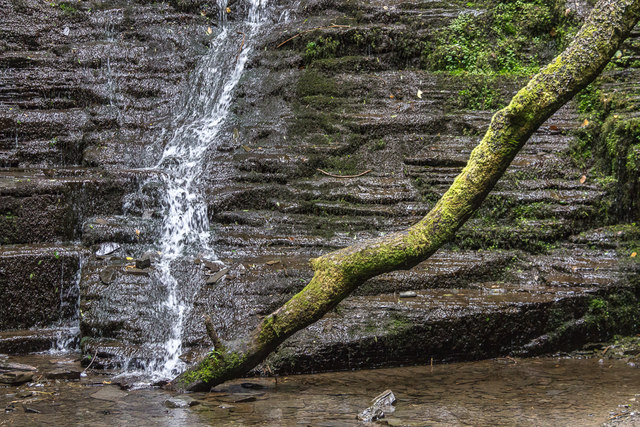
(186,227)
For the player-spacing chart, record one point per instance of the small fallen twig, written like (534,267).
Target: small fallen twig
(312,29)
(344,176)
(91,363)
(244,37)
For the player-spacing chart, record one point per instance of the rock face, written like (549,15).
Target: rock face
(88,105)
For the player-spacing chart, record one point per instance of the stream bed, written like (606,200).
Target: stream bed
(538,391)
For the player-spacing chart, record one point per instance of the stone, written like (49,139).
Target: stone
(175,403)
(382,404)
(111,394)
(212,266)
(216,277)
(15,377)
(107,249)
(181,402)
(29,410)
(408,294)
(143,263)
(136,271)
(107,275)
(63,374)
(9,366)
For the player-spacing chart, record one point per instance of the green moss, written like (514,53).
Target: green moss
(215,367)
(320,48)
(481,93)
(500,39)
(312,83)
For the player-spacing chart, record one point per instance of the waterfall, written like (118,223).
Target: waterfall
(185,230)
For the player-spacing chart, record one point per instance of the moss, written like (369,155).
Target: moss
(215,367)
(481,93)
(500,39)
(313,83)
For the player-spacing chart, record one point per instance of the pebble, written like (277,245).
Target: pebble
(408,294)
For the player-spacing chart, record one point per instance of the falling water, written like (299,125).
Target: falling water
(186,227)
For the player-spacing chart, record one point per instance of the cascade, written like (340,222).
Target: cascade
(185,228)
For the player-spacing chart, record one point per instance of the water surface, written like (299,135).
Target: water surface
(527,392)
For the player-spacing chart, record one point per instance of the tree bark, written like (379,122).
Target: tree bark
(338,273)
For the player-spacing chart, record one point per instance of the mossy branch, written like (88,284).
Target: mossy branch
(338,273)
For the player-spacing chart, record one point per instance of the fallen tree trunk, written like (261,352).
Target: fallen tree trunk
(338,273)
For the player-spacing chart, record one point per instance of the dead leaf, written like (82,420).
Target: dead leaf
(391,96)
(583,179)
(246,148)
(553,32)
(553,127)
(273,261)
(209,30)
(202,13)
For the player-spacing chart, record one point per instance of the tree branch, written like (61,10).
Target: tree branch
(338,273)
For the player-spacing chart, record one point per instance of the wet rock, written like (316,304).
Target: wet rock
(382,404)
(216,277)
(175,403)
(212,266)
(110,394)
(9,366)
(30,410)
(15,373)
(15,377)
(181,402)
(136,272)
(63,374)
(107,249)
(408,294)
(252,386)
(143,263)
(107,275)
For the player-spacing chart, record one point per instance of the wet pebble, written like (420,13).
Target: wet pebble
(408,294)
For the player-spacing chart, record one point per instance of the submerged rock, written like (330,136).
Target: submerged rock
(63,374)
(382,404)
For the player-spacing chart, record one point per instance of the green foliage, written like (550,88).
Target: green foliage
(480,95)
(320,48)
(500,39)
